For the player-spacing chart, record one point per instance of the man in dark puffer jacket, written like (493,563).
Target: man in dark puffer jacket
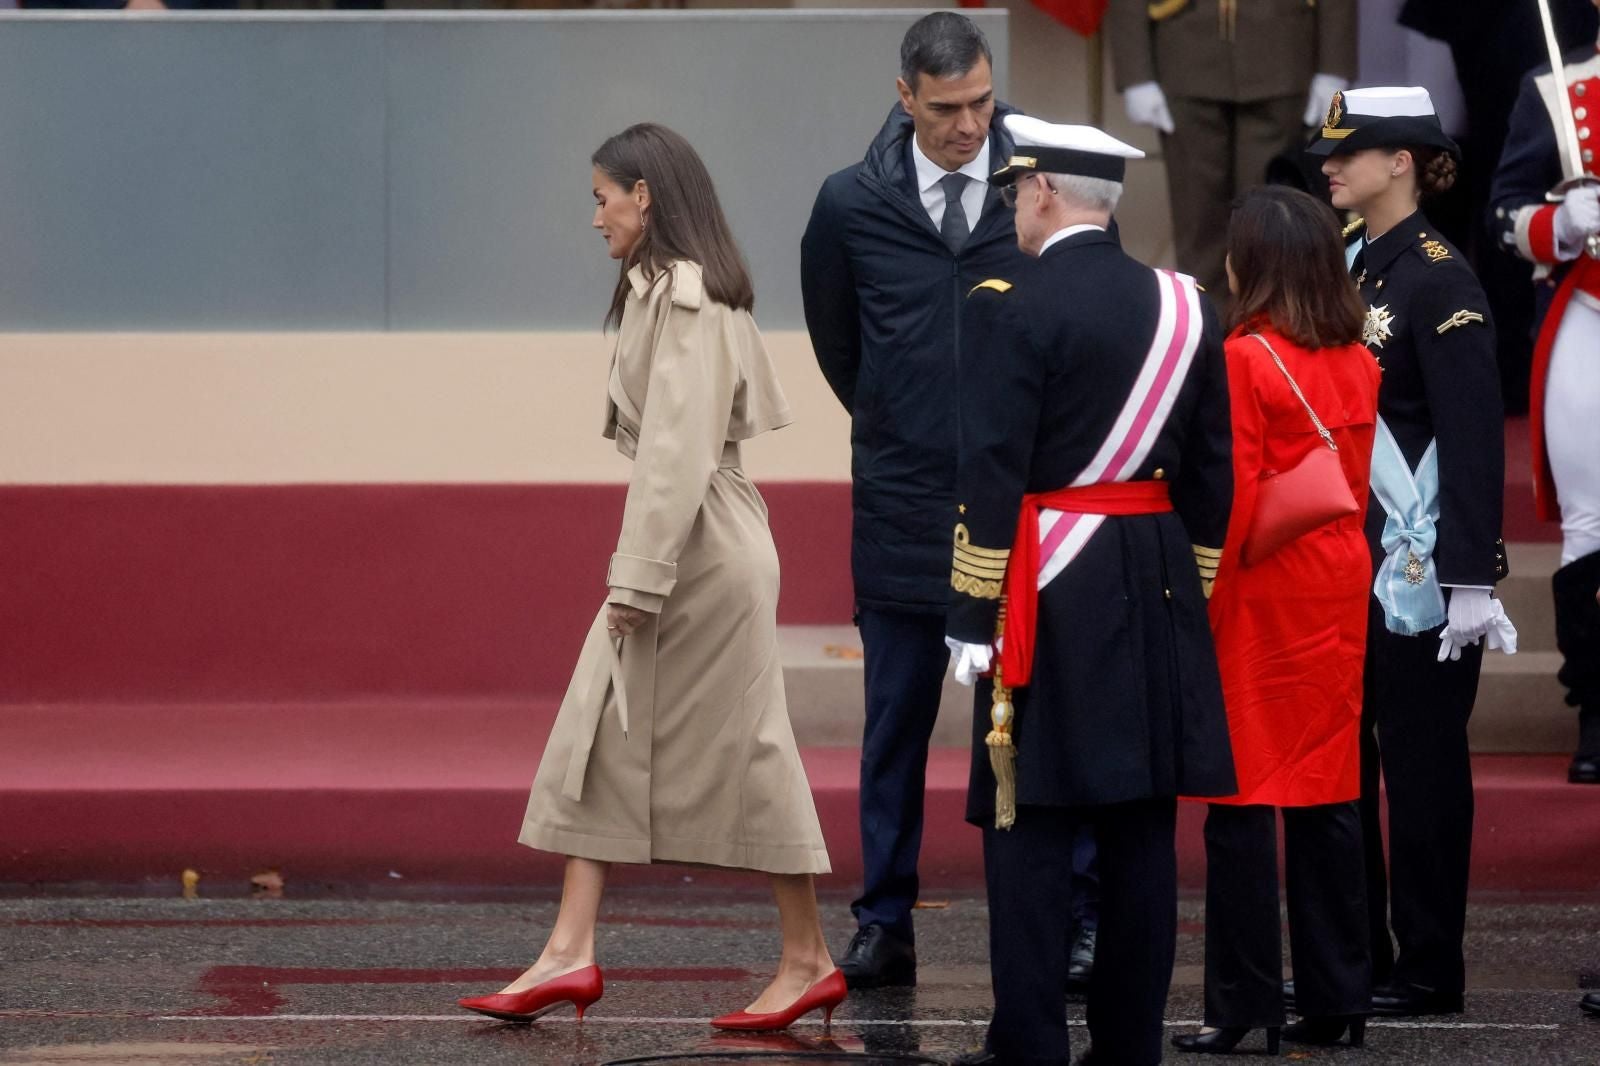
(894,245)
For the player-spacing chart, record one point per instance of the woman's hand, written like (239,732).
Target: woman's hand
(622,620)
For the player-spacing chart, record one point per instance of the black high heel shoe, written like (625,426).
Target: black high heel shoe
(1222,1040)
(1328,1030)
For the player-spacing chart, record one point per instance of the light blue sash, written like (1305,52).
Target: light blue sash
(1407,584)
(1352,250)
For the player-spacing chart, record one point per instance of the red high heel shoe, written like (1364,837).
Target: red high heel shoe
(827,993)
(580,988)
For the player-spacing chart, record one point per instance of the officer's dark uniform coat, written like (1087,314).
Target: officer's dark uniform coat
(1429,326)
(1125,702)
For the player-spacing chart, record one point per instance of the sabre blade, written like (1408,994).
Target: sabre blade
(1568,131)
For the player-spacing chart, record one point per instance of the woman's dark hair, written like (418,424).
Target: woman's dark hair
(685,220)
(941,45)
(1436,170)
(1289,261)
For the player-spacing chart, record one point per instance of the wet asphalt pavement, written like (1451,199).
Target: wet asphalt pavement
(167,981)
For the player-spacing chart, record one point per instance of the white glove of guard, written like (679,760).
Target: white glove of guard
(1323,86)
(1576,218)
(971,660)
(1475,615)
(1147,106)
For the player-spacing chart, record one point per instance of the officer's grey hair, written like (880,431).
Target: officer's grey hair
(1098,194)
(942,45)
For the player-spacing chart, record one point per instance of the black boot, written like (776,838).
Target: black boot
(1221,1041)
(1578,638)
(1328,1030)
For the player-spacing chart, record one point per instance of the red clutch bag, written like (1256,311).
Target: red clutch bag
(1291,503)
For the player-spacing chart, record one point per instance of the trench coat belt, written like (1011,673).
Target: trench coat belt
(628,445)
(1022,568)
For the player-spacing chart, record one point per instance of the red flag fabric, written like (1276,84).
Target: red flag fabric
(1082,16)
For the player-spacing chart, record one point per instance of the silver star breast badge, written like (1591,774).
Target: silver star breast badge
(1376,328)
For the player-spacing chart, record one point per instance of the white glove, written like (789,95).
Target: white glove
(1323,86)
(971,660)
(1474,616)
(1147,106)
(1576,218)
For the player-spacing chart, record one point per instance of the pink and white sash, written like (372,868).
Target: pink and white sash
(1062,534)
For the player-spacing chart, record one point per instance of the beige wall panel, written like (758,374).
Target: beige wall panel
(403,407)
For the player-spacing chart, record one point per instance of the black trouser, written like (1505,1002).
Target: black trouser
(905,663)
(1029,873)
(1327,914)
(1414,726)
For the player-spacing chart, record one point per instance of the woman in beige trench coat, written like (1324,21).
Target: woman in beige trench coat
(673,743)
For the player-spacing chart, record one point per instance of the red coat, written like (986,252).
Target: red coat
(1291,630)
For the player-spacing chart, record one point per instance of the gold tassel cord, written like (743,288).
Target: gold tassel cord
(1002,751)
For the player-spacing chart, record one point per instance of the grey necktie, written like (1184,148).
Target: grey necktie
(954,227)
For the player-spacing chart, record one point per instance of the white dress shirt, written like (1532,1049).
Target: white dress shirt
(1062,234)
(930,173)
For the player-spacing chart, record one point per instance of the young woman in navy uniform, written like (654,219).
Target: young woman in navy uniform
(1434,529)
(1560,240)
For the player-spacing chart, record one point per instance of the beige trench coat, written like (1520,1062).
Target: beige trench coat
(708,771)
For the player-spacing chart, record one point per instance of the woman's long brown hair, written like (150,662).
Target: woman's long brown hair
(685,220)
(1288,257)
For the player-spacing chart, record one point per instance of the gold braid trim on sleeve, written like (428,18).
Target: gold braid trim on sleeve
(978,572)
(1207,561)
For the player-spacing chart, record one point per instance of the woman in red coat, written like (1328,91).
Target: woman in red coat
(1290,632)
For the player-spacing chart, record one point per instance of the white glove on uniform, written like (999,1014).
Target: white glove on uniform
(971,660)
(1474,616)
(1147,106)
(1323,86)
(1576,218)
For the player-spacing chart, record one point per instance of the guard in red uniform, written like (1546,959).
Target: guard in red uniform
(1564,407)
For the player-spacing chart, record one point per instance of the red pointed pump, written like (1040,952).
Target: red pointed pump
(579,988)
(827,994)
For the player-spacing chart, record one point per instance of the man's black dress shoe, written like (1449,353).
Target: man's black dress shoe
(1222,1040)
(1327,1031)
(1590,1004)
(1411,1000)
(1080,964)
(1585,770)
(876,958)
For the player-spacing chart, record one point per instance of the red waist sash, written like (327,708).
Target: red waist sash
(1022,568)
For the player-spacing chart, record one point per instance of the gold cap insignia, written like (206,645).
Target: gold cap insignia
(1335,115)
(1335,110)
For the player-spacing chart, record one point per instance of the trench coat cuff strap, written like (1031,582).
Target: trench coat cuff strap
(648,602)
(653,576)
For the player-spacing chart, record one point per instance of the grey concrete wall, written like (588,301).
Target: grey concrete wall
(407,171)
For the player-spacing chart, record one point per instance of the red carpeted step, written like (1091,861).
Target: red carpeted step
(432,793)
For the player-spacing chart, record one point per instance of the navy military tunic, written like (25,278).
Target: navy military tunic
(1125,701)
(1428,324)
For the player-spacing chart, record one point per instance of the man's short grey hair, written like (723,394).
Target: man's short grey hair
(942,45)
(1099,194)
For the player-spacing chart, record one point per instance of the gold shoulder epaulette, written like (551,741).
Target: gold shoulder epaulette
(1436,252)
(1353,228)
(993,283)
(1165,9)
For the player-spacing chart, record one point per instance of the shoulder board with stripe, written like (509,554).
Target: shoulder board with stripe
(993,283)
